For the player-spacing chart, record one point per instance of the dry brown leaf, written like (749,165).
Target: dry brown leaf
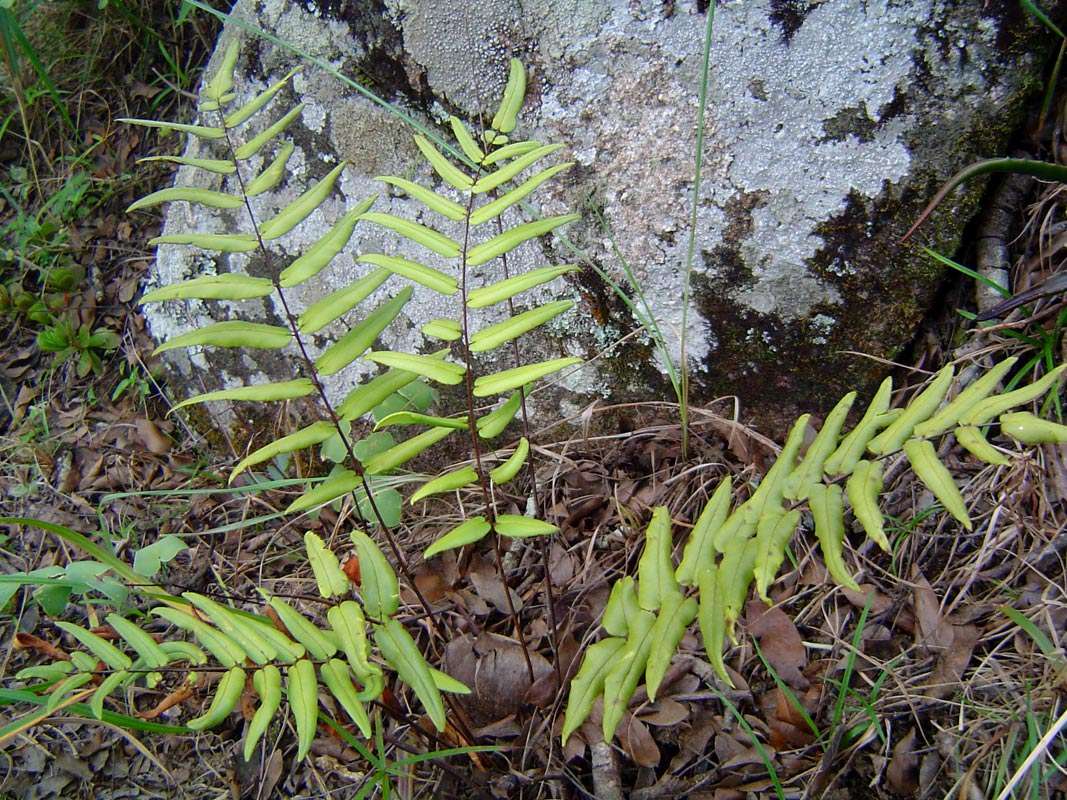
(779,640)
(934,631)
(152,437)
(903,770)
(638,743)
(179,695)
(664,712)
(486,581)
(27,641)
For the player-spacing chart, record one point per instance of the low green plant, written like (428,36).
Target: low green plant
(728,551)
(82,344)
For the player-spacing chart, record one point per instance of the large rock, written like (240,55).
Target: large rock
(829,124)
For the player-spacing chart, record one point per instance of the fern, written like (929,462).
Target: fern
(728,551)
(235,639)
(238,645)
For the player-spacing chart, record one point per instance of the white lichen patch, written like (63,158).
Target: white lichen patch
(799,130)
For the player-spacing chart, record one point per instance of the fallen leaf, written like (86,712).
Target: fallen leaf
(179,695)
(664,712)
(779,640)
(903,770)
(152,437)
(638,742)
(483,576)
(27,641)
(934,632)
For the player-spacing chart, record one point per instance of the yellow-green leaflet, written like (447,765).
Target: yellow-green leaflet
(995,406)
(315,259)
(263,392)
(473,530)
(405,451)
(517,526)
(214,165)
(510,103)
(739,525)
(509,287)
(225,700)
(493,423)
(97,645)
(588,683)
(1024,427)
(864,486)
(510,151)
(328,575)
(144,645)
(231,334)
(843,460)
(414,418)
(769,493)
(227,286)
(420,234)
(234,626)
(256,103)
(267,681)
(512,238)
(318,644)
(288,651)
(87,663)
(365,397)
(298,210)
(429,198)
(621,605)
(828,510)
(48,672)
(355,343)
(513,168)
(935,476)
(655,570)
(712,621)
(448,482)
(444,329)
(222,81)
(430,367)
(700,549)
(918,410)
(336,304)
(350,625)
(446,683)
(811,466)
(498,206)
(412,270)
(735,571)
(327,491)
(188,194)
(272,174)
(256,143)
(945,419)
(621,681)
(773,533)
(466,141)
(380,589)
(222,242)
(337,679)
(315,433)
(974,442)
(493,336)
(510,468)
(213,105)
(402,654)
(303,690)
(225,650)
(65,687)
(199,131)
(107,686)
(673,619)
(184,651)
(451,175)
(505,381)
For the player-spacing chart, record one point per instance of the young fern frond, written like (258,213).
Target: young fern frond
(728,551)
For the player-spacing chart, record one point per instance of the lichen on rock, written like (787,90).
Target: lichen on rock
(828,124)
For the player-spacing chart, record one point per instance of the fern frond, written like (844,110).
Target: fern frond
(299,210)
(357,341)
(429,198)
(227,286)
(272,174)
(262,392)
(204,197)
(419,234)
(495,208)
(255,335)
(492,336)
(513,168)
(412,270)
(260,140)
